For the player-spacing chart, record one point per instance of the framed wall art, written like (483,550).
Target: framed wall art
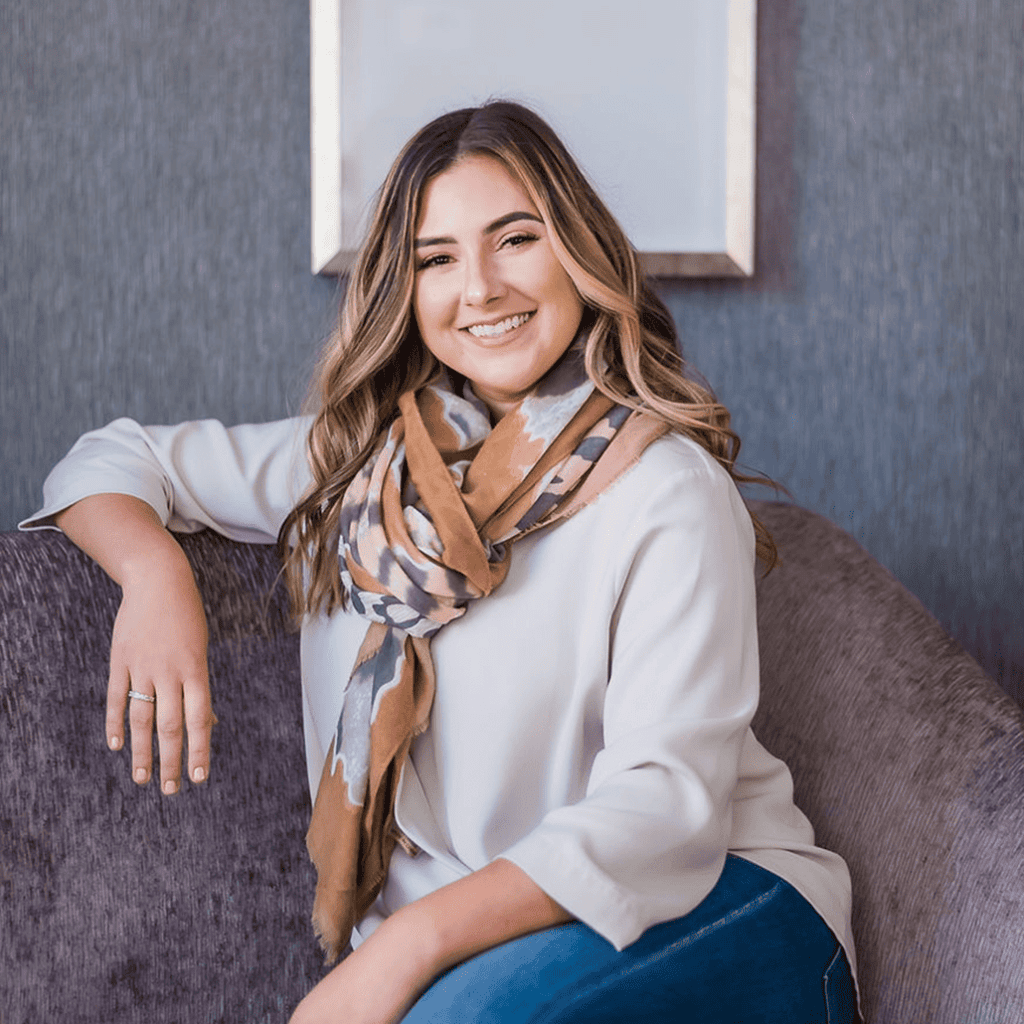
(655,99)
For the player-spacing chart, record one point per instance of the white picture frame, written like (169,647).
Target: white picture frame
(656,99)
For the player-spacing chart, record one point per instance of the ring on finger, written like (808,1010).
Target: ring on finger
(142,696)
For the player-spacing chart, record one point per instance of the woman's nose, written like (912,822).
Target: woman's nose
(482,283)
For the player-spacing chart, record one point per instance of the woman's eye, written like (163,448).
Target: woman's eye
(437,260)
(519,238)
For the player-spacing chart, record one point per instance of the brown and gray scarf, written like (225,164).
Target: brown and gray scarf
(426,527)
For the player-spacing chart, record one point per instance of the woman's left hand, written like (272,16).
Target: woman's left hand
(376,983)
(379,982)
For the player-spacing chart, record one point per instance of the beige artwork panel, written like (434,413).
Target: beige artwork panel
(655,99)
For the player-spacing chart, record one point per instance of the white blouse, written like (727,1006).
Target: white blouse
(592,717)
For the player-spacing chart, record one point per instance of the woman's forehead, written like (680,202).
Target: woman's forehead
(471,195)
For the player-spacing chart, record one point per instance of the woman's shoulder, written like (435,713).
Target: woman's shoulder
(677,485)
(674,455)
(676,468)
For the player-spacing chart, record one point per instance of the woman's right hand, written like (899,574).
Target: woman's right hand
(158,648)
(159,642)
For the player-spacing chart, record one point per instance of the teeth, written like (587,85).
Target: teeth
(494,330)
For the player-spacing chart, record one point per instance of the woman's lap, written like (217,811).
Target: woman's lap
(753,951)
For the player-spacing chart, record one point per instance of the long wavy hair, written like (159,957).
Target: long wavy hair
(375,353)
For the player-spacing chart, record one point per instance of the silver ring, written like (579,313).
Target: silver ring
(142,696)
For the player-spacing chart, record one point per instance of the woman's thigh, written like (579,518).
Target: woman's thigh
(753,951)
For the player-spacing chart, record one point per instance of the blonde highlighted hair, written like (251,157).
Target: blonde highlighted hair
(374,353)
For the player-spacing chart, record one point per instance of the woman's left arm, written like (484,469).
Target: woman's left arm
(381,979)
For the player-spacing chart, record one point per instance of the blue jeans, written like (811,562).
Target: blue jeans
(754,951)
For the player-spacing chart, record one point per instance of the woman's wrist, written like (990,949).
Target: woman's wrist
(379,980)
(160,559)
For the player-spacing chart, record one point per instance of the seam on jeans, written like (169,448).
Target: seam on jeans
(829,1018)
(682,943)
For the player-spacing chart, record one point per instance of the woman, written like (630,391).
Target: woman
(529,677)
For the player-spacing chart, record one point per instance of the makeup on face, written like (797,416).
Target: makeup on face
(491,300)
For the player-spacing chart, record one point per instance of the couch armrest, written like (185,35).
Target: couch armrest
(117,903)
(909,761)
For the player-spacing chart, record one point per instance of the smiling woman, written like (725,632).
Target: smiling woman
(526,584)
(491,299)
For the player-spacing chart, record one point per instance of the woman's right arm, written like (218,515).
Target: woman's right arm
(112,495)
(158,646)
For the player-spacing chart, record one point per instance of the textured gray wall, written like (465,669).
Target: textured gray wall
(154,240)
(875,365)
(154,209)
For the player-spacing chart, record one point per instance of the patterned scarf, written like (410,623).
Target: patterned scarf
(426,527)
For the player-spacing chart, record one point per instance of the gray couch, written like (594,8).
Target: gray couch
(118,905)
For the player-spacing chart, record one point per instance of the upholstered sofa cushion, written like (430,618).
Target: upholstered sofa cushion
(119,905)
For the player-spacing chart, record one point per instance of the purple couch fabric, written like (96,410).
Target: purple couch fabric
(118,905)
(909,761)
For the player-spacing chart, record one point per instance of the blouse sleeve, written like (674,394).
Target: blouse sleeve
(648,841)
(239,481)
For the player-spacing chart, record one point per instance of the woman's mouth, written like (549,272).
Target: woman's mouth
(510,323)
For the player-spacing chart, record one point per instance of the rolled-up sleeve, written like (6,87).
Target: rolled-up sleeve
(648,840)
(240,481)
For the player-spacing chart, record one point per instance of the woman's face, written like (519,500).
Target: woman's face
(491,300)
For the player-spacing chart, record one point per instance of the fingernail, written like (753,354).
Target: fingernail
(170,787)
(114,742)
(198,774)
(140,775)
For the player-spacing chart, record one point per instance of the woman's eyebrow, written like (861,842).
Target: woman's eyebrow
(495,225)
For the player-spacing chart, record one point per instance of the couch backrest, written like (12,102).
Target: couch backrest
(909,761)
